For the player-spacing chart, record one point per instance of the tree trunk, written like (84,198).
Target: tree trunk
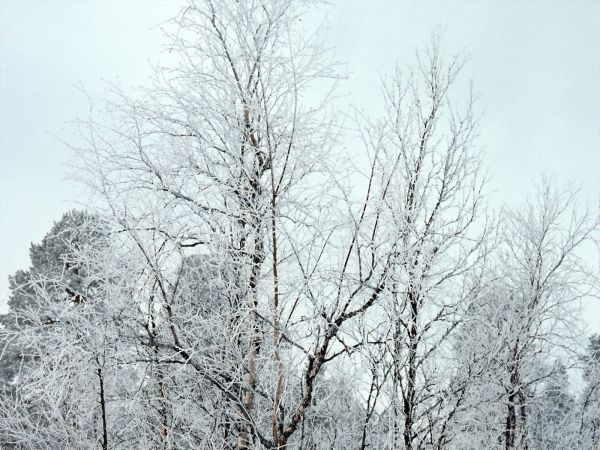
(103,409)
(409,394)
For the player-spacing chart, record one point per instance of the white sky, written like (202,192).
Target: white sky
(536,65)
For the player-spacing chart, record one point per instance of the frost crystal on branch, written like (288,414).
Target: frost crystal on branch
(245,284)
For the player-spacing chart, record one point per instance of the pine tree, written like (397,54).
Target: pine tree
(54,271)
(50,261)
(553,422)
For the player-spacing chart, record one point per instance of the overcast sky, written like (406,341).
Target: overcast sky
(536,65)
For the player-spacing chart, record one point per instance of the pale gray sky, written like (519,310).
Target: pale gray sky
(536,65)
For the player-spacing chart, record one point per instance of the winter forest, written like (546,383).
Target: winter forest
(240,280)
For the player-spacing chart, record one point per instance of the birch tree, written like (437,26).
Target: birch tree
(429,173)
(224,157)
(547,277)
(527,318)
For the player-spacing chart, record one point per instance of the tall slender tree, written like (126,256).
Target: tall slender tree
(428,171)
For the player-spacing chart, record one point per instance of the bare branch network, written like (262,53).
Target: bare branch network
(244,283)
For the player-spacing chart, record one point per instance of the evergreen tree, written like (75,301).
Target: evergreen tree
(50,261)
(54,270)
(553,423)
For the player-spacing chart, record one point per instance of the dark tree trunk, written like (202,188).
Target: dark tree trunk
(103,409)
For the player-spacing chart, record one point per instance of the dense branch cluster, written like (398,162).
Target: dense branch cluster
(242,283)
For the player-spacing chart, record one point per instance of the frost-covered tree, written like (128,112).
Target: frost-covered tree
(251,286)
(53,356)
(554,416)
(526,317)
(589,429)
(546,276)
(50,259)
(225,157)
(428,168)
